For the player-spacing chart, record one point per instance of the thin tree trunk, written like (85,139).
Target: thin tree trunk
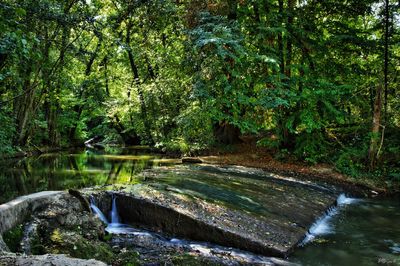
(375,131)
(289,45)
(386,58)
(283,131)
(280,39)
(24,106)
(377,112)
(79,108)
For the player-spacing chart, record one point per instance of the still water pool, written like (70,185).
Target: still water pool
(365,232)
(75,169)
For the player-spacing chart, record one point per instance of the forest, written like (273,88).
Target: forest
(317,81)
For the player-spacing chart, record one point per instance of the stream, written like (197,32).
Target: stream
(356,232)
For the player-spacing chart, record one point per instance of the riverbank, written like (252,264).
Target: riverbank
(250,155)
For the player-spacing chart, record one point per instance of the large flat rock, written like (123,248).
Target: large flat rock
(233,206)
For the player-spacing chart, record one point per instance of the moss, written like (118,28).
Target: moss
(79,247)
(127,258)
(13,238)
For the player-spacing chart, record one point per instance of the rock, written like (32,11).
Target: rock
(232,207)
(44,260)
(63,227)
(30,235)
(16,211)
(191,160)
(84,201)
(3,245)
(189,251)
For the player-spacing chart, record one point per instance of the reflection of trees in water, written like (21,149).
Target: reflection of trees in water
(63,171)
(14,177)
(114,172)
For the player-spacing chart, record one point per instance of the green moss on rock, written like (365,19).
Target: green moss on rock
(13,238)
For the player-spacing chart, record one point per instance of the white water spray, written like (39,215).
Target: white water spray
(114,211)
(323,225)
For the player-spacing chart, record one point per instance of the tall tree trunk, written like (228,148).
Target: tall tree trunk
(135,72)
(23,106)
(375,146)
(79,108)
(386,57)
(283,130)
(50,103)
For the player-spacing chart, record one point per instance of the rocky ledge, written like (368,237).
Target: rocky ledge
(241,209)
(57,229)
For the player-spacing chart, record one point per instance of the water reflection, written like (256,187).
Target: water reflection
(75,169)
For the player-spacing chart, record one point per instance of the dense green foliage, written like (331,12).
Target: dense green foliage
(309,76)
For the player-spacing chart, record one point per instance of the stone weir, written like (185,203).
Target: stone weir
(265,215)
(18,210)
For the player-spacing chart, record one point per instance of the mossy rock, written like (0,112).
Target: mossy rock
(75,245)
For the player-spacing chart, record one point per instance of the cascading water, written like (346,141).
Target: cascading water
(323,225)
(97,211)
(115,227)
(114,211)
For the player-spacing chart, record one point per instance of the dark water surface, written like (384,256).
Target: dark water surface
(365,232)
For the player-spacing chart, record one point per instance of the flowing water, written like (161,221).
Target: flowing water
(357,232)
(360,232)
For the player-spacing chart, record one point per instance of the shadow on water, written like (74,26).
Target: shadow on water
(75,169)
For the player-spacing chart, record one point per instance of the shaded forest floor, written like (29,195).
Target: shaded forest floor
(250,155)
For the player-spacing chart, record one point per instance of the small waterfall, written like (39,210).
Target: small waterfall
(323,225)
(343,200)
(114,211)
(97,211)
(115,227)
